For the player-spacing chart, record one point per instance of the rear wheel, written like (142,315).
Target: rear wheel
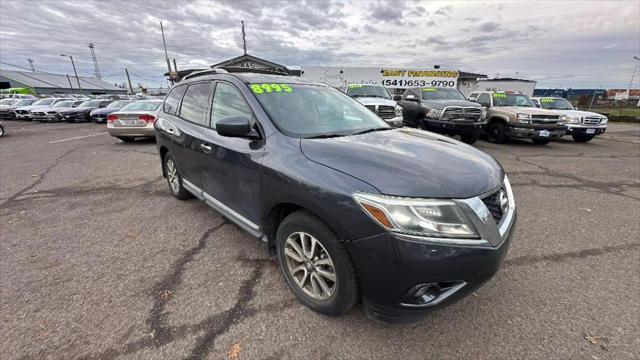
(316,267)
(470,138)
(582,137)
(126,139)
(495,132)
(174,179)
(541,141)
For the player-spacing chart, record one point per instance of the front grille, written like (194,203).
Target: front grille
(545,117)
(461,113)
(383,111)
(99,118)
(21,112)
(493,204)
(544,122)
(591,120)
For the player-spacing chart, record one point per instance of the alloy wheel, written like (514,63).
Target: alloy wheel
(310,266)
(172,176)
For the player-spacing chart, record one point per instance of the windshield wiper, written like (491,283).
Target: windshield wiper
(323,136)
(372,130)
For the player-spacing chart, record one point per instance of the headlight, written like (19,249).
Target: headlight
(434,113)
(604,120)
(398,110)
(484,113)
(432,218)
(572,119)
(524,118)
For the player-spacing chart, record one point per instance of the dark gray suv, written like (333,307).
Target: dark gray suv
(404,220)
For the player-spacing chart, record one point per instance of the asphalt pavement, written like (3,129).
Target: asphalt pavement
(98,261)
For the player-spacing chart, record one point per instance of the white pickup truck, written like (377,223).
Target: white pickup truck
(377,99)
(583,126)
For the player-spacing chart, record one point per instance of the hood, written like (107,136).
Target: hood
(525,110)
(32,107)
(103,111)
(375,101)
(442,103)
(48,108)
(409,162)
(578,113)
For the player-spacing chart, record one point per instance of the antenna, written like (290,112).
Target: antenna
(31,63)
(96,69)
(165,51)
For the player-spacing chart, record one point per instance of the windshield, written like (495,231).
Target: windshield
(441,94)
(555,104)
(7,101)
(24,102)
(142,106)
(306,111)
(91,103)
(354,90)
(44,102)
(504,99)
(62,104)
(118,104)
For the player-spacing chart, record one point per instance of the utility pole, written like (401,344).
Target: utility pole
(166,56)
(69,80)
(129,80)
(74,70)
(31,63)
(244,40)
(96,69)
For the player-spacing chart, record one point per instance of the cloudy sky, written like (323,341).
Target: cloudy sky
(557,43)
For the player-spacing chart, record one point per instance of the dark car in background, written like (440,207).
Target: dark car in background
(81,113)
(443,110)
(8,112)
(52,113)
(100,115)
(405,220)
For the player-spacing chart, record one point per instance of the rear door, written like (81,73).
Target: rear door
(232,167)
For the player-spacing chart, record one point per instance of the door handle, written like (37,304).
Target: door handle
(206,148)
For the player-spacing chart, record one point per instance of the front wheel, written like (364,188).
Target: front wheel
(495,133)
(316,267)
(582,137)
(174,179)
(541,141)
(470,138)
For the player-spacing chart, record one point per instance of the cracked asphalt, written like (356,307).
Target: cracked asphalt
(98,261)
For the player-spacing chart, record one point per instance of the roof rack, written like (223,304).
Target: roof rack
(205,72)
(238,69)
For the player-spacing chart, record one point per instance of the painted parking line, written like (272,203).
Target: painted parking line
(77,137)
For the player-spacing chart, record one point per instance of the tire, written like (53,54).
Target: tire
(174,179)
(126,139)
(1,131)
(538,141)
(328,256)
(470,138)
(583,138)
(495,133)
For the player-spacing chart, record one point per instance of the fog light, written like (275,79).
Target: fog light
(426,293)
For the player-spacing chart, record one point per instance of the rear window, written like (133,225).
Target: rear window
(142,106)
(173,100)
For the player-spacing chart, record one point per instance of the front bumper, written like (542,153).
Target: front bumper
(391,266)
(46,117)
(459,126)
(23,116)
(586,129)
(7,115)
(395,121)
(535,132)
(80,117)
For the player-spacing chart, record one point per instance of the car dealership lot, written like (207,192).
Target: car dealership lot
(99,261)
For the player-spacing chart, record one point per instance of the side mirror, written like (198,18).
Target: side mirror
(411,98)
(472,99)
(397,97)
(233,126)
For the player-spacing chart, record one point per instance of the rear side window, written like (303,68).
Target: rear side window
(173,99)
(228,101)
(195,103)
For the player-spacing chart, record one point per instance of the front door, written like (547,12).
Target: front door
(231,173)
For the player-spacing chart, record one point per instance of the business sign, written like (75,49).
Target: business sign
(388,77)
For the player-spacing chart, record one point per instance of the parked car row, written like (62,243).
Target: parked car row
(498,115)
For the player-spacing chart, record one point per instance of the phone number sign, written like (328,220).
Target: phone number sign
(419,78)
(389,77)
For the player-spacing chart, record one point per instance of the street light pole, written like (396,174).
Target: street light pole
(74,70)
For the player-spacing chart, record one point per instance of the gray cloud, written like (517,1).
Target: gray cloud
(545,43)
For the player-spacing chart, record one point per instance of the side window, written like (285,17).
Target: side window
(407,92)
(484,100)
(228,101)
(195,103)
(173,99)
